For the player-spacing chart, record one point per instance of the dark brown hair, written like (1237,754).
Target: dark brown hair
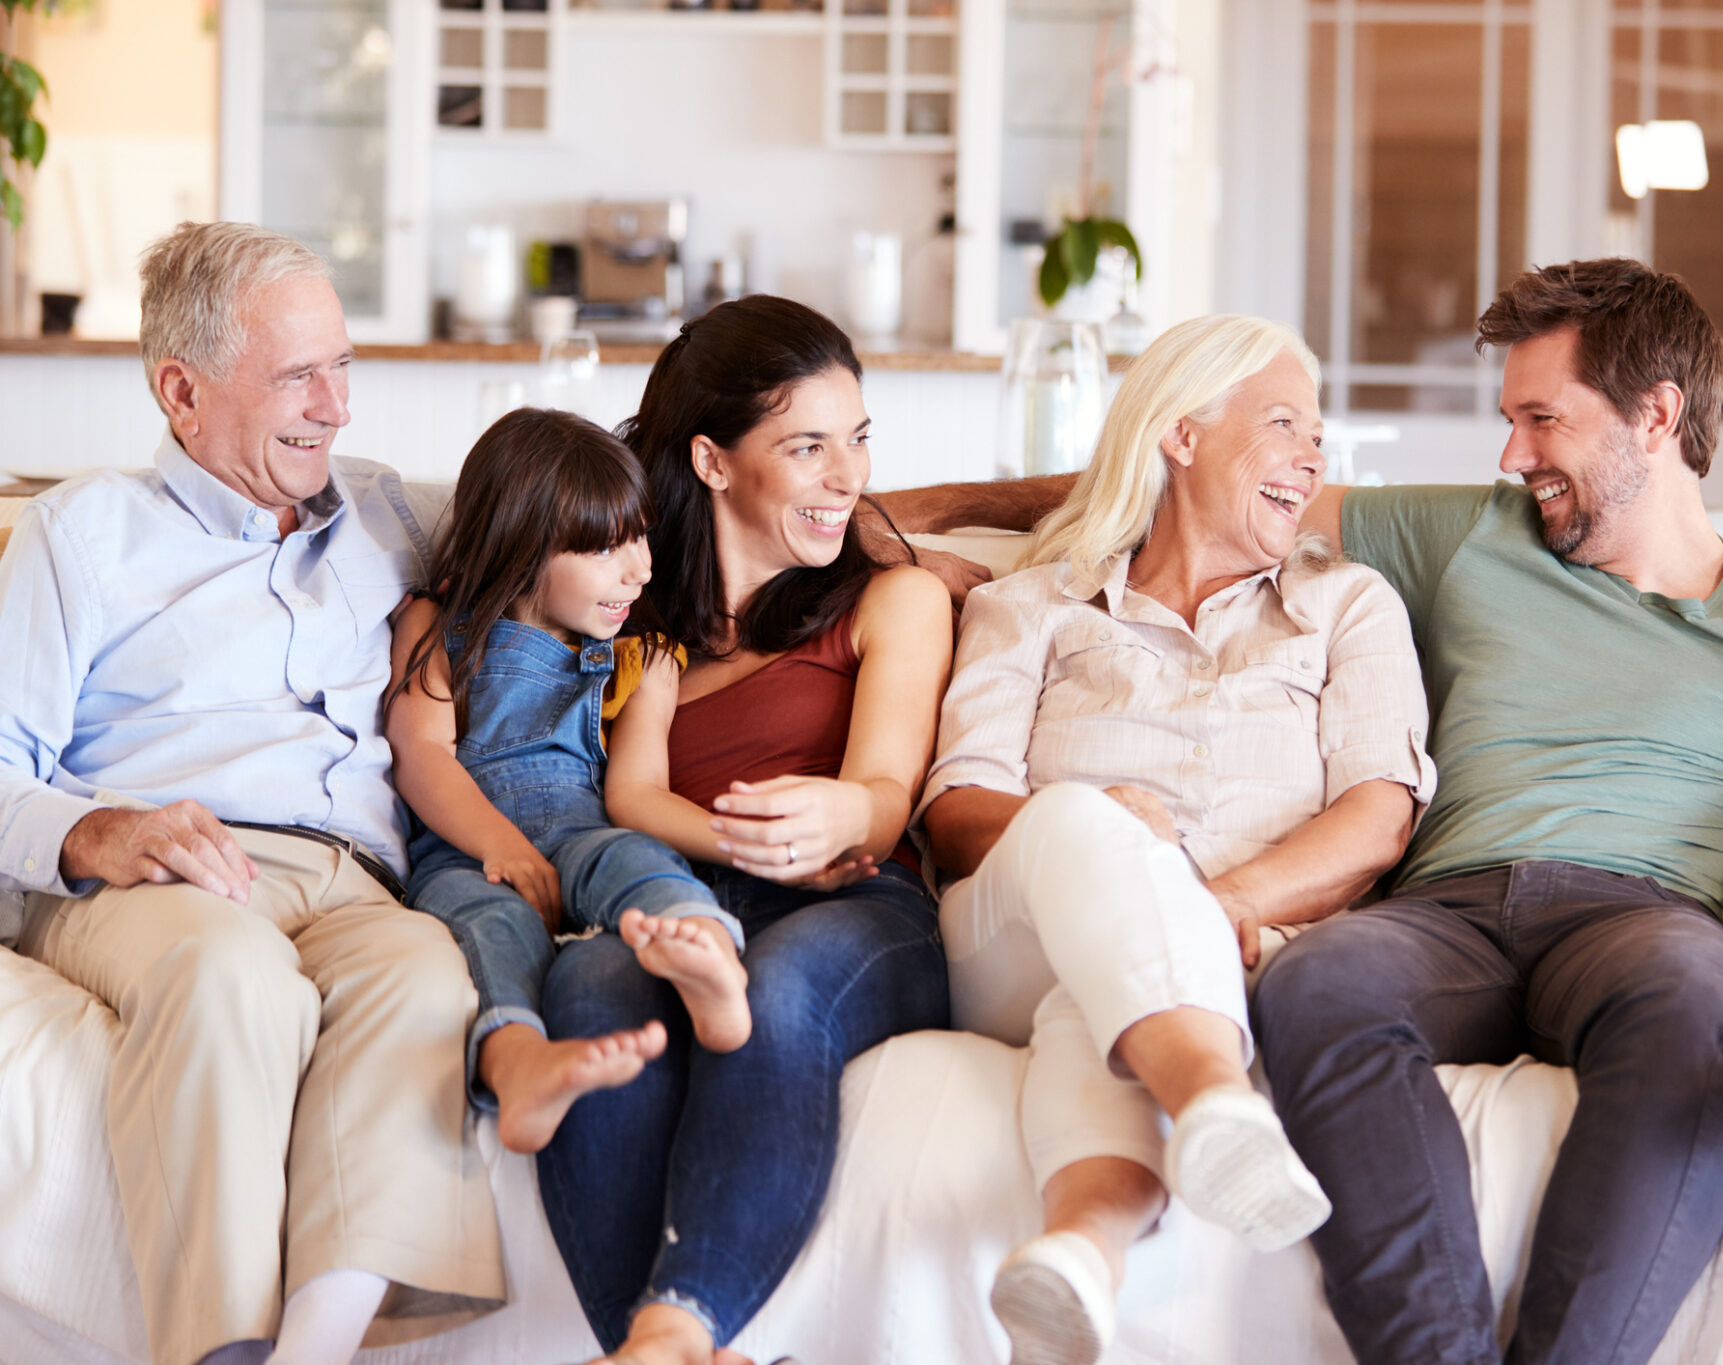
(1636,329)
(538,483)
(724,374)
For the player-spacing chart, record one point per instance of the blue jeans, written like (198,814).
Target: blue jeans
(1614,976)
(698,1183)
(603,871)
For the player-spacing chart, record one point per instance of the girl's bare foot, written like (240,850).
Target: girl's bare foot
(696,955)
(536,1080)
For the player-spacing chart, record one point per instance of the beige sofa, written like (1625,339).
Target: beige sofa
(931,1189)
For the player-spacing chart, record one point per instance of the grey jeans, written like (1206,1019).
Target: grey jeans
(1614,976)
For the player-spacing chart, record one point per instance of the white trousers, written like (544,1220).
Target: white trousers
(1079,922)
(290,1079)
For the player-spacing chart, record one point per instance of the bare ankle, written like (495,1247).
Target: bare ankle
(502,1050)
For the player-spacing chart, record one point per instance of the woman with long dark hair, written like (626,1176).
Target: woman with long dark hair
(783,763)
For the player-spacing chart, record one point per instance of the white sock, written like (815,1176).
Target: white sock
(325,1320)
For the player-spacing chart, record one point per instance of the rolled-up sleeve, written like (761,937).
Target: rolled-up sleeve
(49,607)
(1374,720)
(989,709)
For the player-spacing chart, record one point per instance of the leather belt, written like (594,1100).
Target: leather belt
(379,870)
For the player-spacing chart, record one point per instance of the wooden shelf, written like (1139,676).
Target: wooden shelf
(707,23)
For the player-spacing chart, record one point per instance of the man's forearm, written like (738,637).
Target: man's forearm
(1008,504)
(1327,862)
(964,823)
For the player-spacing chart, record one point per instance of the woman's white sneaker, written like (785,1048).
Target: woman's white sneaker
(1230,1162)
(1055,1297)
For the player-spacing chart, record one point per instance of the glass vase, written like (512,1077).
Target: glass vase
(1053,396)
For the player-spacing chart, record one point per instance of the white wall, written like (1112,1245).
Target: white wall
(733,122)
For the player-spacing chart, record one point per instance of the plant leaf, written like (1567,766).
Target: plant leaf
(1080,247)
(12,203)
(1055,279)
(28,80)
(1111,232)
(33,144)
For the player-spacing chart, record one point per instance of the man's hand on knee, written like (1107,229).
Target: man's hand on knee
(178,843)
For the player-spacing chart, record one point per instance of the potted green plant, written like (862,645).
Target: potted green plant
(1073,251)
(25,137)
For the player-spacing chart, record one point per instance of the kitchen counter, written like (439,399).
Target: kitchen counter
(75,404)
(523,352)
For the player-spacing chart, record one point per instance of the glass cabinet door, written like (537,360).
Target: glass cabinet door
(1027,112)
(322,140)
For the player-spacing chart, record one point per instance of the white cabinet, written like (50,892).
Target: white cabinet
(324,137)
(1024,106)
(495,65)
(891,70)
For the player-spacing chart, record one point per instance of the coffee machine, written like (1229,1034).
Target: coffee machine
(631,286)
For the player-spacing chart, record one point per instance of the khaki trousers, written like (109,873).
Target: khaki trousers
(288,1096)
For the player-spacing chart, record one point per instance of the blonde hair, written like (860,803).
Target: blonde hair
(1190,370)
(194,281)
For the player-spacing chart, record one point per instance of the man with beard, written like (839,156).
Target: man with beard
(1561,896)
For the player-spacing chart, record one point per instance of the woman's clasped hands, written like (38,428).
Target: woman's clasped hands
(801,831)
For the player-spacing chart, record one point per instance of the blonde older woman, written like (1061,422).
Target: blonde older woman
(1180,725)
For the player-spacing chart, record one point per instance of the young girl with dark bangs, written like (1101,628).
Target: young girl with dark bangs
(505,676)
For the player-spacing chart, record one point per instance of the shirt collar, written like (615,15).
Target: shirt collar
(222,511)
(1113,587)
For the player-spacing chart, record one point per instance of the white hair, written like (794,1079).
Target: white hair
(196,279)
(1190,371)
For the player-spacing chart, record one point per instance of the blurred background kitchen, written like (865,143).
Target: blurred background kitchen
(490,175)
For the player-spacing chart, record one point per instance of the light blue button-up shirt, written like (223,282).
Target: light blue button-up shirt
(164,641)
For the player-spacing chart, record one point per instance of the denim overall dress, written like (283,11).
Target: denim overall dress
(533,743)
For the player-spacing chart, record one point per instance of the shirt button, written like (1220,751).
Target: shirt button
(1417,736)
(1304,664)
(29,864)
(1201,751)
(1202,691)
(1106,635)
(1202,663)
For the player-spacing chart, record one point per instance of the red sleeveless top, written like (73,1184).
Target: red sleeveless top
(791,716)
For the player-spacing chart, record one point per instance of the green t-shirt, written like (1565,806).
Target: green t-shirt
(1572,717)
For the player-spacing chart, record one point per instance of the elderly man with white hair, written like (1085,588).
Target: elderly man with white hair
(195,792)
